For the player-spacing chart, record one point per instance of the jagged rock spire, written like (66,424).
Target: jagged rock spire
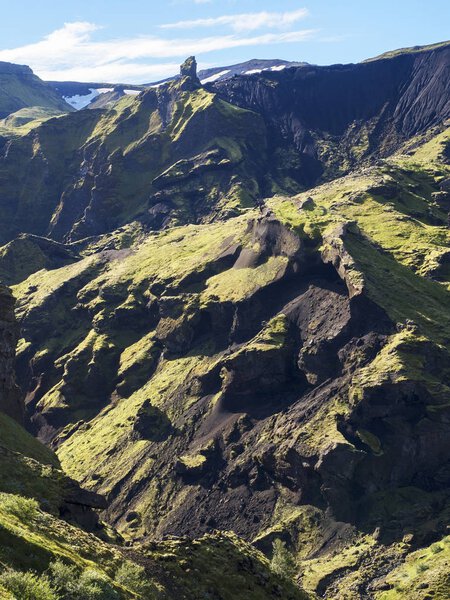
(189,68)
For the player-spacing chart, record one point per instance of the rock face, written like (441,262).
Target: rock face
(191,152)
(11,401)
(185,153)
(329,114)
(189,68)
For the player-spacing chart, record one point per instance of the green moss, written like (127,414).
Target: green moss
(193,461)
(236,284)
(425,573)
(14,438)
(370,440)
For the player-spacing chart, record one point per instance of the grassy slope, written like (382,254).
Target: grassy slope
(121,151)
(23,90)
(412,49)
(220,564)
(392,260)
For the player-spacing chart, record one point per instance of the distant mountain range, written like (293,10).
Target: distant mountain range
(98,95)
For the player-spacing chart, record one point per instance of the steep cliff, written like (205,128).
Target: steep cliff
(46,550)
(184,153)
(11,401)
(265,374)
(336,116)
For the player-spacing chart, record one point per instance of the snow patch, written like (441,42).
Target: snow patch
(215,77)
(278,68)
(104,90)
(80,101)
(132,92)
(253,71)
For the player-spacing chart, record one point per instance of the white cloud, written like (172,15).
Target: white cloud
(245,21)
(71,53)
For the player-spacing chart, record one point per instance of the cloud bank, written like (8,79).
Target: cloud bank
(245,21)
(73,52)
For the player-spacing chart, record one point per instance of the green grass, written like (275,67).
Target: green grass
(425,572)
(410,50)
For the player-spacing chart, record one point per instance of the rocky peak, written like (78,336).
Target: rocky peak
(189,68)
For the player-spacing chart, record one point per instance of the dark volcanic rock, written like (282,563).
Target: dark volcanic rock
(390,99)
(189,68)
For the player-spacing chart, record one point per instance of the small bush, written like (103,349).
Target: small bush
(422,567)
(133,577)
(95,586)
(27,586)
(436,548)
(283,562)
(70,584)
(64,579)
(25,509)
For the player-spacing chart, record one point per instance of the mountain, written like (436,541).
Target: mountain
(20,88)
(86,95)
(185,153)
(234,308)
(250,67)
(337,116)
(98,95)
(49,524)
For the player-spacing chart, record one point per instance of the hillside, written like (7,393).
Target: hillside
(20,88)
(53,546)
(234,310)
(183,153)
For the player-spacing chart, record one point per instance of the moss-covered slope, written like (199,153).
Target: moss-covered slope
(46,552)
(20,88)
(282,373)
(170,155)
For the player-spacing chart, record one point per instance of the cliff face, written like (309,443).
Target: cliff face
(278,370)
(10,395)
(352,110)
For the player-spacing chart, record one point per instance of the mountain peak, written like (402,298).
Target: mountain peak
(189,68)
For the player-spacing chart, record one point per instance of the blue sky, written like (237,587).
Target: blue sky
(137,41)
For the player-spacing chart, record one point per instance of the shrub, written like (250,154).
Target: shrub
(64,579)
(70,584)
(25,509)
(27,586)
(422,567)
(283,562)
(93,585)
(133,577)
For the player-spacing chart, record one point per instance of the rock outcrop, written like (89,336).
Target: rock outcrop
(11,401)
(189,68)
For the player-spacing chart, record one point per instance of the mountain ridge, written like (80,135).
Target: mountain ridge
(233,301)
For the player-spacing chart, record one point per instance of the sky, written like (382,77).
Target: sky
(140,41)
